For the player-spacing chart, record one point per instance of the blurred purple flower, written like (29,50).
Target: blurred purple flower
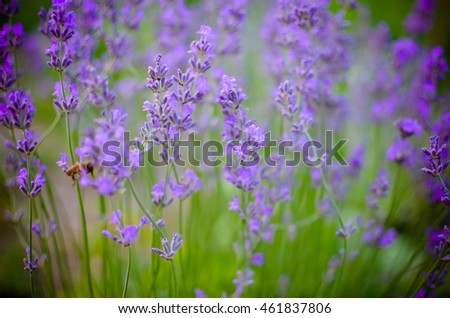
(127,234)
(408,127)
(30,265)
(401,152)
(420,20)
(377,236)
(187,185)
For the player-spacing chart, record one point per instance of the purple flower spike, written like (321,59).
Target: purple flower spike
(378,190)
(435,157)
(401,152)
(159,197)
(202,51)
(127,234)
(27,143)
(377,236)
(404,51)
(408,127)
(258,259)
(168,251)
(70,102)
(33,189)
(420,19)
(244,278)
(50,228)
(189,184)
(30,265)
(21,109)
(63,162)
(348,230)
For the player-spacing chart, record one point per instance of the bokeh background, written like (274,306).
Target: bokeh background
(14,281)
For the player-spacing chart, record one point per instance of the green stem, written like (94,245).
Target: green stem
(49,130)
(105,257)
(85,240)
(341,272)
(69,138)
(337,211)
(80,199)
(326,186)
(30,229)
(127,277)
(174,275)
(424,279)
(141,205)
(420,247)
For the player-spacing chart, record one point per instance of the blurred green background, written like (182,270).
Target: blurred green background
(13,280)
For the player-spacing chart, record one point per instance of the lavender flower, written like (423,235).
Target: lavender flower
(356,161)
(47,231)
(202,51)
(66,101)
(59,26)
(401,152)
(169,250)
(404,50)
(244,278)
(435,157)
(259,214)
(97,87)
(9,9)
(187,185)
(127,234)
(348,230)
(61,22)
(30,265)
(110,174)
(159,194)
(235,205)
(408,127)
(27,143)
(378,190)
(21,109)
(14,218)
(7,75)
(420,20)
(231,17)
(258,259)
(377,236)
(33,188)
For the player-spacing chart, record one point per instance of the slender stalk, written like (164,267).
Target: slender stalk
(85,240)
(49,130)
(105,257)
(127,276)
(30,229)
(425,277)
(141,205)
(338,214)
(413,257)
(69,138)
(80,197)
(31,246)
(174,275)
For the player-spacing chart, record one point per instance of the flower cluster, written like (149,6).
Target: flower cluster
(169,249)
(127,235)
(437,164)
(110,170)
